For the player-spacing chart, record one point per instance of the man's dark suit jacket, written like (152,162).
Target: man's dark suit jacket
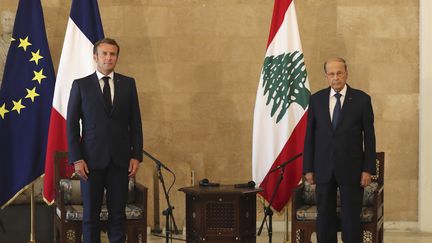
(107,136)
(345,151)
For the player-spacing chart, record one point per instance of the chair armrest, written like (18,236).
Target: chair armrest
(378,203)
(141,199)
(297,199)
(378,196)
(59,196)
(141,195)
(59,202)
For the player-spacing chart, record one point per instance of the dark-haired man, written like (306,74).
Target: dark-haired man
(339,152)
(106,151)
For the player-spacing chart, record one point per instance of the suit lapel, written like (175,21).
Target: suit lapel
(326,102)
(346,105)
(116,91)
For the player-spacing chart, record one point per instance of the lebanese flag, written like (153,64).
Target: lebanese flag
(281,108)
(84,28)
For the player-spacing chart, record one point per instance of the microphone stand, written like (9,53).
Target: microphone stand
(267,210)
(168,212)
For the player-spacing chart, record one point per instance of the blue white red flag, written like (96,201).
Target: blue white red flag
(84,28)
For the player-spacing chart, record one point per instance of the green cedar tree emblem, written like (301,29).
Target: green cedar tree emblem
(284,78)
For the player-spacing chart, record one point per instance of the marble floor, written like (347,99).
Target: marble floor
(278,237)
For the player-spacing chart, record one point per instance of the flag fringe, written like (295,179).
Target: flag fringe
(48,202)
(21,191)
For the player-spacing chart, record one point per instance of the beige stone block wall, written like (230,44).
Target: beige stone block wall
(379,39)
(197,65)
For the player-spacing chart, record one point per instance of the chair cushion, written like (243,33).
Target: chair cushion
(75,212)
(309,197)
(368,195)
(307,212)
(72,191)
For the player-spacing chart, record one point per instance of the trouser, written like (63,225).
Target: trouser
(351,199)
(115,180)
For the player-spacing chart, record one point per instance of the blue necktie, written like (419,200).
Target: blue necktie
(107,93)
(337,110)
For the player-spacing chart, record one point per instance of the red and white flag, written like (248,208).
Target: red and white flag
(280,108)
(84,28)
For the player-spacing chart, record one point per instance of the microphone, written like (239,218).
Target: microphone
(250,184)
(206,183)
(156,161)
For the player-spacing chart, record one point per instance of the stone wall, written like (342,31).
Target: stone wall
(197,65)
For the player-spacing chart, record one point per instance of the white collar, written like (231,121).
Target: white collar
(100,75)
(342,92)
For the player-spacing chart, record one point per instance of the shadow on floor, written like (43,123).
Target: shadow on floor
(16,222)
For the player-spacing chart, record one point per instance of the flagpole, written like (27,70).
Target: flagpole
(287,235)
(32,215)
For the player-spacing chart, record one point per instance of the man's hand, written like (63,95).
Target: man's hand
(81,169)
(310,178)
(366,179)
(133,167)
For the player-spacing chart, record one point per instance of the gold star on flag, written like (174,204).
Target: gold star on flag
(3,111)
(12,39)
(31,94)
(39,76)
(24,43)
(18,106)
(35,57)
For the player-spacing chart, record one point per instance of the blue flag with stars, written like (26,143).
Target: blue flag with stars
(25,102)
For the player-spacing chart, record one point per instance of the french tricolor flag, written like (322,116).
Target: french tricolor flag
(84,28)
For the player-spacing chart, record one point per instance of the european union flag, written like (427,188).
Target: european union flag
(25,102)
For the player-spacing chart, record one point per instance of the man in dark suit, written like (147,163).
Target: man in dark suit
(106,151)
(339,152)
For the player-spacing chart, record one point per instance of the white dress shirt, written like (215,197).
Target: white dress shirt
(333,99)
(111,82)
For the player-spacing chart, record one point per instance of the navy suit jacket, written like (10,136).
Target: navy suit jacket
(106,136)
(346,151)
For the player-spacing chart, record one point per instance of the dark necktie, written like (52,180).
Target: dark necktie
(337,110)
(107,93)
